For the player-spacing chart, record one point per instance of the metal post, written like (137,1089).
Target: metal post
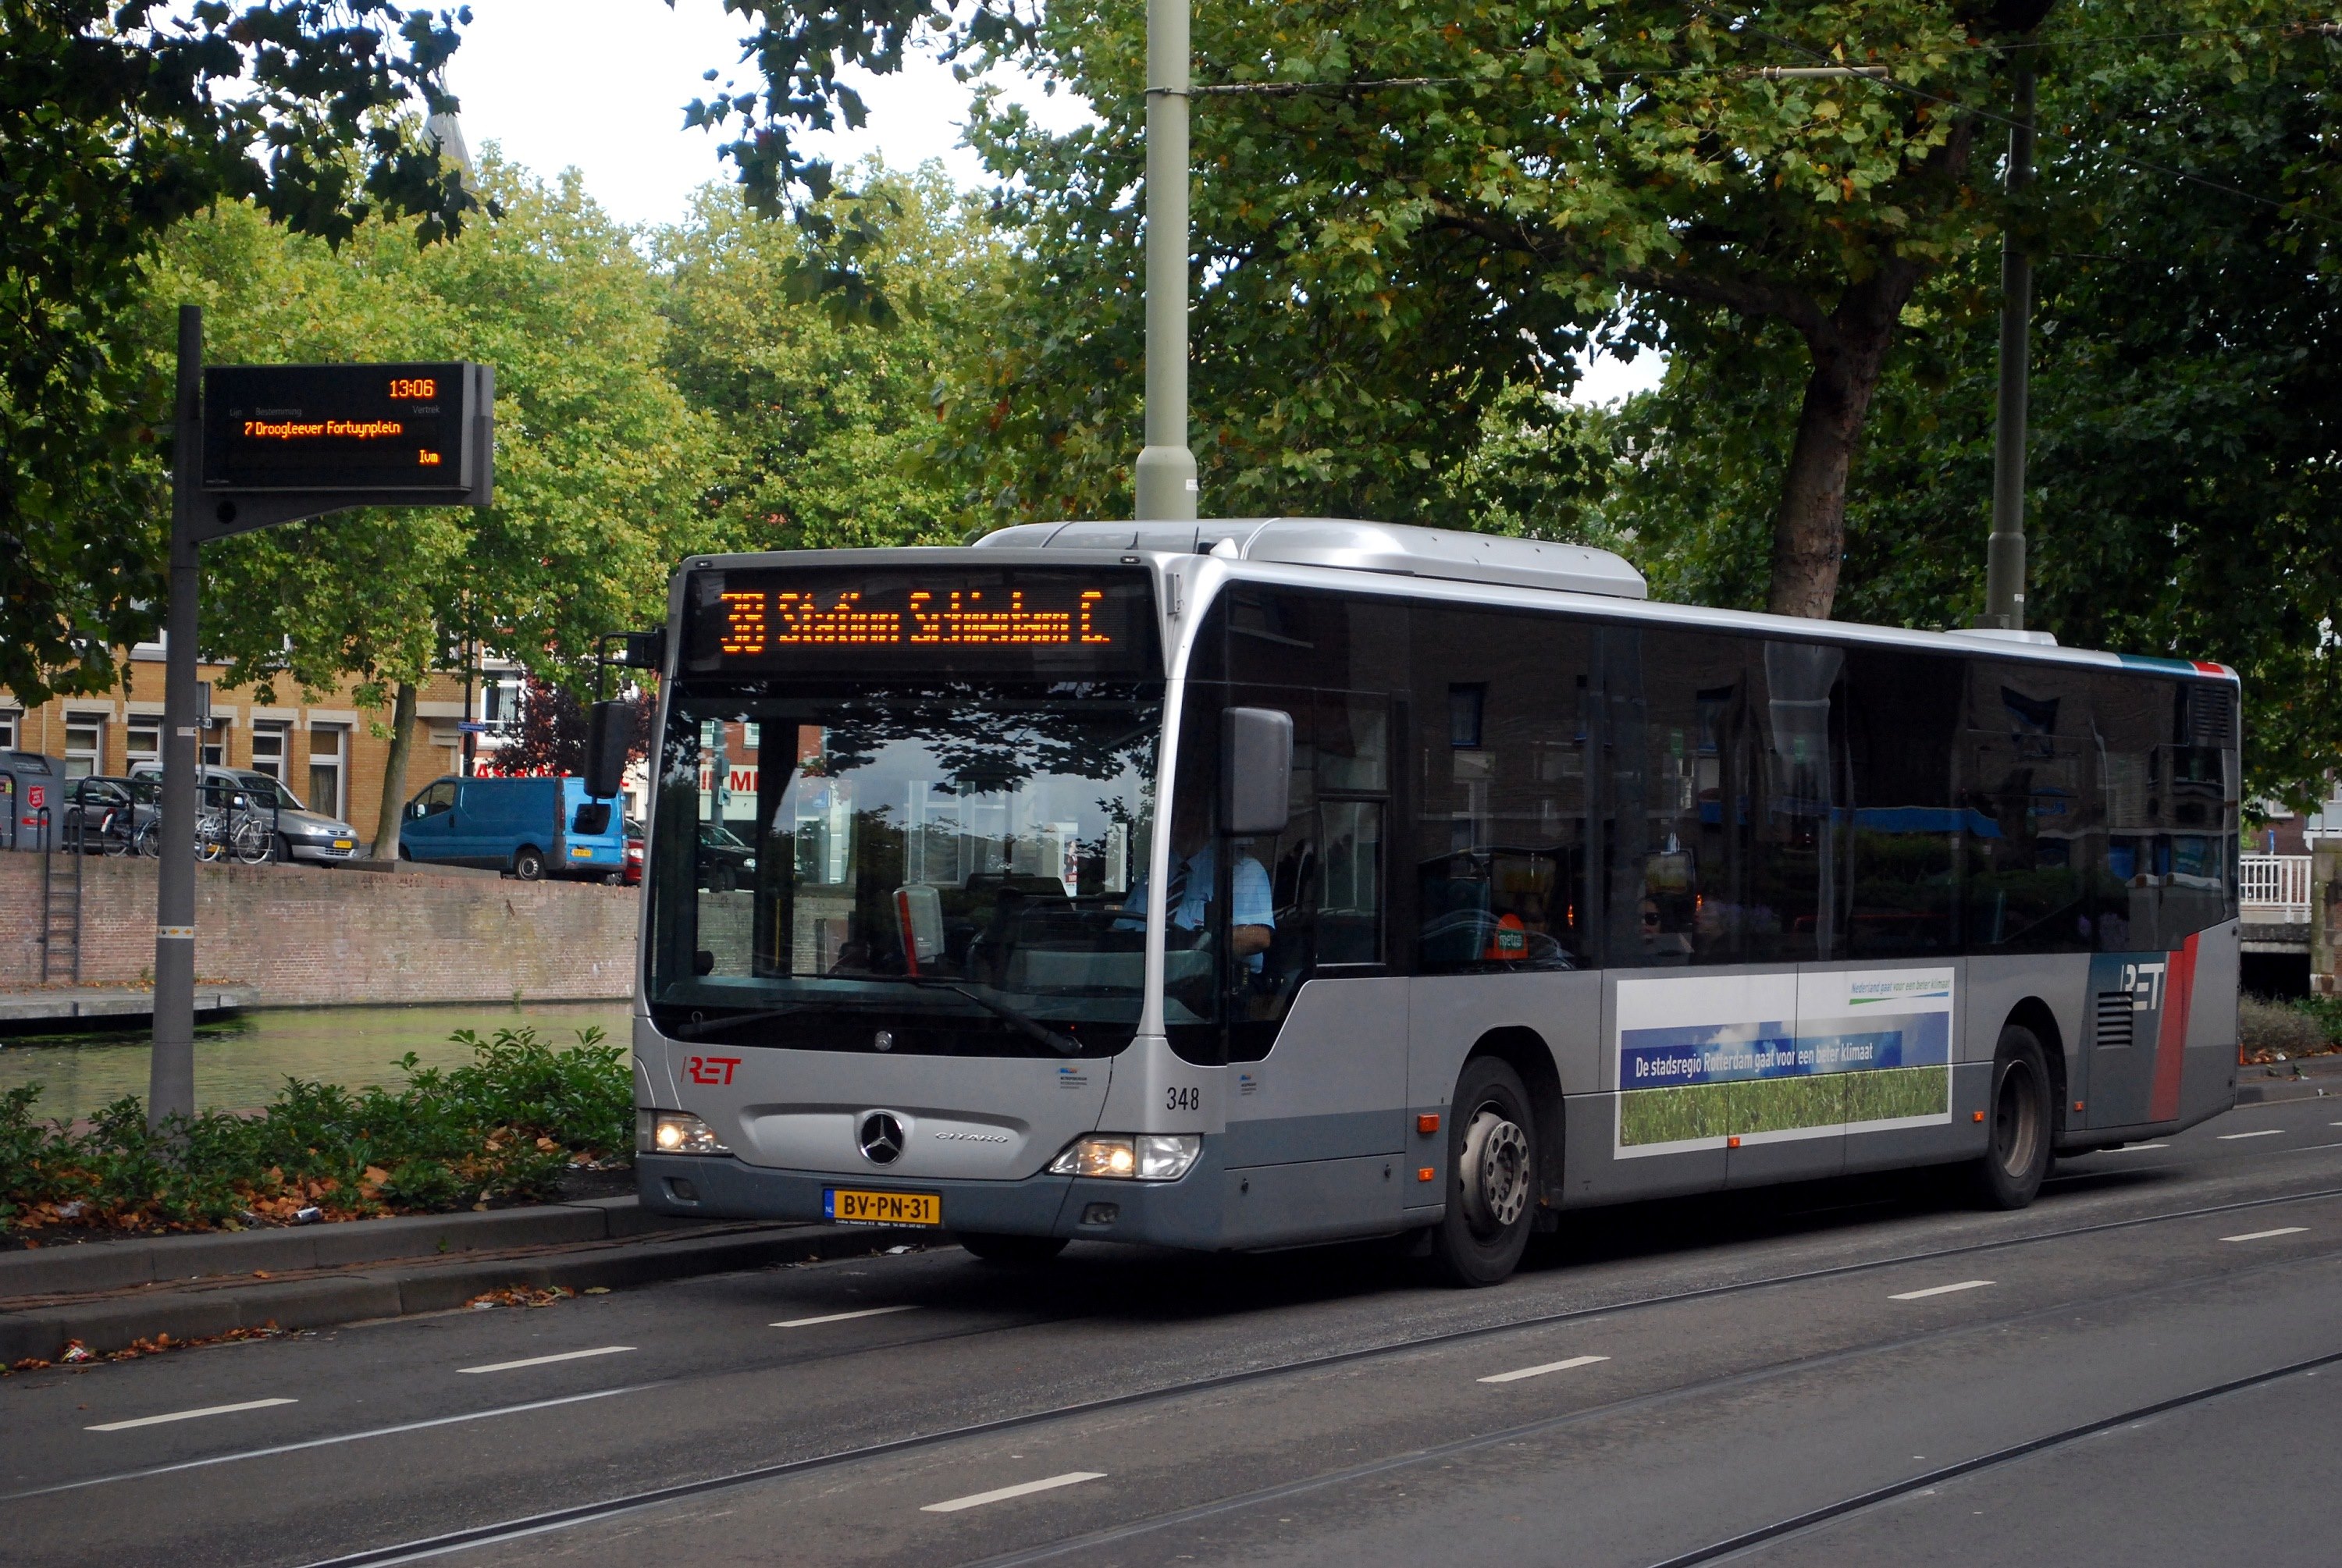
(2004,590)
(171,1083)
(1166,469)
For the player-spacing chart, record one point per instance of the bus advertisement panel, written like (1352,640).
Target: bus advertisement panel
(1710,1062)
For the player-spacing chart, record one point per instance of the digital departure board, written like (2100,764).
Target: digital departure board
(324,428)
(1042,620)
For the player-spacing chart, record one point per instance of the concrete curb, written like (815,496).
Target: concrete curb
(203,1311)
(2286,1089)
(163,1260)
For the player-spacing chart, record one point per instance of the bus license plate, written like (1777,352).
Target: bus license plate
(848,1206)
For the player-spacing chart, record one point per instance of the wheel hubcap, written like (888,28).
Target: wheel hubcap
(1495,1172)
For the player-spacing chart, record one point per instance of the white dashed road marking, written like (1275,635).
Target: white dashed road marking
(1516,1376)
(2264,1235)
(1939,1290)
(2264,1132)
(2135,1148)
(842,1316)
(1022,1489)
(549,1360)
(189,1414)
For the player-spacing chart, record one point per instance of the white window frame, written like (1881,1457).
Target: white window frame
(132,755)
(12,730)
(275,766)
(338,759)
(94,759)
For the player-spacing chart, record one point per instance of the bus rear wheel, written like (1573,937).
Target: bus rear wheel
(2017,1115)
(994,1248)
(1492,1194)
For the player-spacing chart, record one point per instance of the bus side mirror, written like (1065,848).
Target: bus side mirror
(1257,784)
(609,735)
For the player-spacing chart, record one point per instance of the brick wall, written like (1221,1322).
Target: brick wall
(311,936)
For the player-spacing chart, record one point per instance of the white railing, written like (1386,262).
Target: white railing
(2275,885)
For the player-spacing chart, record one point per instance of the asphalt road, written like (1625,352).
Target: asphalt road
(1858,1371)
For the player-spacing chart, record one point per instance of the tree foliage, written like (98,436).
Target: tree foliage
(823,412)
(117,123)
(2182,484)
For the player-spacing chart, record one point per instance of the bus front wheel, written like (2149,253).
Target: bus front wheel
(1491,1189)
(2018,1117)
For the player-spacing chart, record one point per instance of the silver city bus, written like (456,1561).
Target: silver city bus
(1244,885)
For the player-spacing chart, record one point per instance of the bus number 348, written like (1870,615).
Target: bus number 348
(1183,1099)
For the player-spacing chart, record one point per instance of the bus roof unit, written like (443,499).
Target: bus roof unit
(1398,548)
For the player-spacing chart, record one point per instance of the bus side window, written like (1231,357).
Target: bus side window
(1902,850)
(1501,828)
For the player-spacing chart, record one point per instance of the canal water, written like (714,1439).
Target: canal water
(241,1062)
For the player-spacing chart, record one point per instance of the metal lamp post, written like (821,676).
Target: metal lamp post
(1166,468)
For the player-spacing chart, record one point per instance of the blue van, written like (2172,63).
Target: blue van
(532,827)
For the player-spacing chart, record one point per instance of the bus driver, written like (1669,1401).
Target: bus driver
(1195,867)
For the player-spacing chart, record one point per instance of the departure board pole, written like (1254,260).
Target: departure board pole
(171,1070)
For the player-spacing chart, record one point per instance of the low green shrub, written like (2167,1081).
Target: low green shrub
(2328,1013)
(506,1125)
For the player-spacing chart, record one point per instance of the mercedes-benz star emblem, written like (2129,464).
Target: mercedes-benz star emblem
(882,1138)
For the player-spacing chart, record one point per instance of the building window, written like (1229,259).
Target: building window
(215,743)
(84,744)
(142,741)
(11,729)
(268,750)
(500,705)
(328,761)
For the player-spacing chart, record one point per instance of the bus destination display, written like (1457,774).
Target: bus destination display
(329,427)
(956,619)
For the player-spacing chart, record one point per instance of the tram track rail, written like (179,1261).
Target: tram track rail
(522,1527)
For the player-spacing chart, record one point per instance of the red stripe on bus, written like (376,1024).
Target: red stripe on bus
(2171,1044)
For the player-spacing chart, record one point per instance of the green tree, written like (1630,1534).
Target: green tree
(823,414)
(116,123)
(1413,208)
(2182,489)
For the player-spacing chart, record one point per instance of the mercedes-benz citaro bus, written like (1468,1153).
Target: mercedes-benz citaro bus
(1245,885)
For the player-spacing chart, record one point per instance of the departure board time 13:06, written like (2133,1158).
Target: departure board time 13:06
(1047,620)
(325,427)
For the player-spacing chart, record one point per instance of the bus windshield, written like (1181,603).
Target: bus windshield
(940,871)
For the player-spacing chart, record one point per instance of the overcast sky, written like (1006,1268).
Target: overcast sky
(600,85)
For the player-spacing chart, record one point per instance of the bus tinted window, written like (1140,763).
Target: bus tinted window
(1501,834)
(1903,843)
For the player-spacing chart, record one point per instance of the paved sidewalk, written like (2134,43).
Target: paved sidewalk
(108,1295)
(2304,1078)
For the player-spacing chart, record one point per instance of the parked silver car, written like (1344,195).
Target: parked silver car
(301,833)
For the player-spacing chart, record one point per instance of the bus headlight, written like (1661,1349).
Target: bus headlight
(1141,1157)
(675,1133)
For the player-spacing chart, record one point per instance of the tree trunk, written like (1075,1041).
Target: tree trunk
(393,772)
(1809,529)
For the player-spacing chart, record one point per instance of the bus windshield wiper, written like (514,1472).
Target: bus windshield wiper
(1025,1022)
(709,1025)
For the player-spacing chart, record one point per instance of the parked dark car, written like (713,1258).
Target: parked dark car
(724,862)
(99,816)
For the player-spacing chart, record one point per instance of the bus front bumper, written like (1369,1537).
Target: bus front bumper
(1181,1214)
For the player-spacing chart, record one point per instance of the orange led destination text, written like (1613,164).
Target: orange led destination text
(753,621)
(320,429)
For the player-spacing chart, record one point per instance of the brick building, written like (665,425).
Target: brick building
(330,752)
